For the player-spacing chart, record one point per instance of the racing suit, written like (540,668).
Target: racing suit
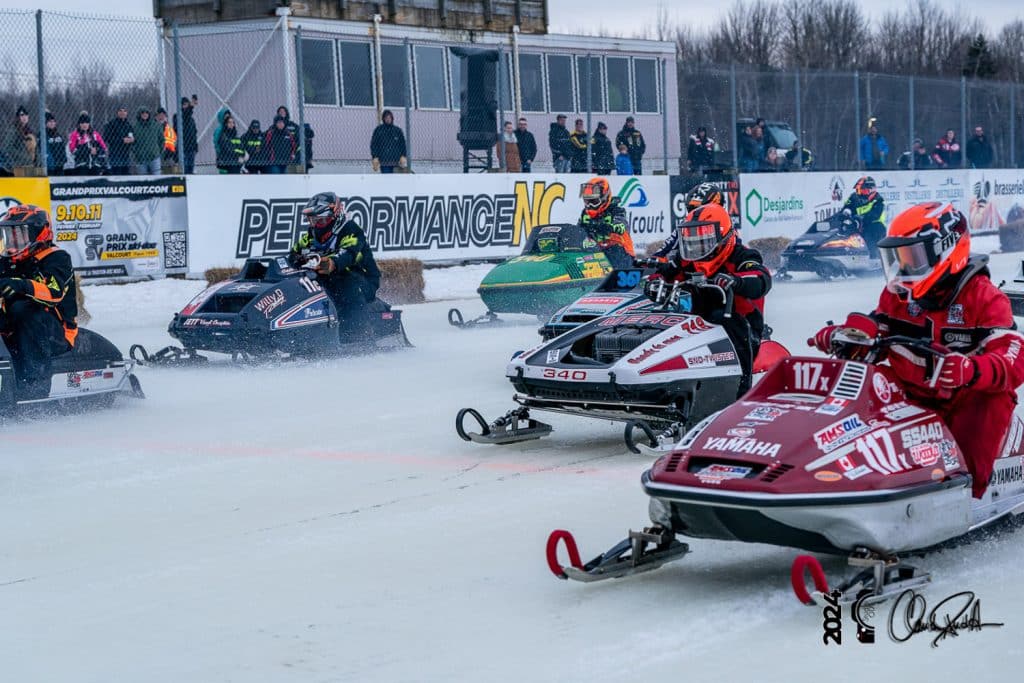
(611,232)
(973,318)
(38,323)
(871,214)
(354,279)
(752,281)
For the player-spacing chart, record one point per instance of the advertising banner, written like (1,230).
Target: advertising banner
(786,204)
(122,227)
(682,185)
(997,199)
(14,191)
(434,218)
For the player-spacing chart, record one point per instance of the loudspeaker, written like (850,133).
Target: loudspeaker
(478,118)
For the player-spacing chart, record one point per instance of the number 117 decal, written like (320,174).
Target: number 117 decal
(809,377)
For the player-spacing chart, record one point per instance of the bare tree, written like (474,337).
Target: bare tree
(748,34)
(824,35)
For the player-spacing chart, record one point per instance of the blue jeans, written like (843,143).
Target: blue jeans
(562,165)
(387,169)
(188,161)
(151,167)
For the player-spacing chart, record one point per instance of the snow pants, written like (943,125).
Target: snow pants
(33,336)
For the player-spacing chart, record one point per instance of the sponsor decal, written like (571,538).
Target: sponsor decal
(902,410)
(938,474)
(688,324)
(913,309)
(949,457)
(245,286)
(715,474)
(857,472)
(601,301)
(654,348)
(925,454)
(765,414)
(920,434)
(749,424)
(833,406)
(304,313)
(845,463)
(881,387)
(710,359)
(739,444)
(553,356)
(270,303)
(741,432)
(74,380)
(1014,474)
(206,322)
(828,475)
(839,433)
(955,315)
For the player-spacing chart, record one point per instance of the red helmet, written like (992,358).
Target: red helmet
(924,244)
(707,237)
(865,187)
(322,213)
(24,229)
(596,194)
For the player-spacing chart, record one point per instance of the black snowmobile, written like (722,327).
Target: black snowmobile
(91,374)
(272,310)
(831,248)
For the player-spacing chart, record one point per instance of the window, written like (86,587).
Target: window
(356,75)
(395,67)
(431,85)
(560,90)
(531,82)
(619,98)
(319,77)
(645,79)
(455,63)
(596,80)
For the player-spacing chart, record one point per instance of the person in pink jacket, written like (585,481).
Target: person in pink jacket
(87,148)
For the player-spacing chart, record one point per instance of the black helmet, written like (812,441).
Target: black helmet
(705,193)
(322,213)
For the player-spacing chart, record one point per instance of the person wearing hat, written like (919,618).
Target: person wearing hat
(19,143)
(601,150)
(561,148)
(279,146)
(634,142)
(169,138)
(252,143)
(189,143)
(120,136)
(387,145)
(578,145)
(916,157)
(87,147)
(56,147)
(149,140)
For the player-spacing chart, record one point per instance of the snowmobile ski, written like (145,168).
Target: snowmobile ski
(488,319)
(169,356)
(879,578)
(512,427)
(641,551)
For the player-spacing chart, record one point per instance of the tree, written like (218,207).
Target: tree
(979,61)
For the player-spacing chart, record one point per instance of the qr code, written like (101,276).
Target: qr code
(175,250)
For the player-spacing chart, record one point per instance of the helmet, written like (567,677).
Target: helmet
(22,230)
(705,193)
(322,213)
(596,195)
(924,244)
(706,237)
(865,187)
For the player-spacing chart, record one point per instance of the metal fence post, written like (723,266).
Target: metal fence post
(911,120)
(590,164)
(732,105)
(799,130)
(664,115)
(301,85)
(1013,125)
(856,117)
(286,54)
(408,104)
(378,67)
(501,110)
(179,119)
(41,146)
(963,121)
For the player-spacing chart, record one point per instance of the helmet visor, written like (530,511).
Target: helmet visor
(908,262)
(698,239)
(319,222)
(592,195)
(14,239)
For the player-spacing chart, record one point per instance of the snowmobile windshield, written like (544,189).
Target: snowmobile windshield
(14,239)
(698,239)
(907,260)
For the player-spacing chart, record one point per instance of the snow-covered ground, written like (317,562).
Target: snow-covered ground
(322,522)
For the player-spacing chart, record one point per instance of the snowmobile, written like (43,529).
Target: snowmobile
(825,455)
(559,263)
(620,288)
(271,310)
(1015,292)
(91,374)
(652,365)
(831,248)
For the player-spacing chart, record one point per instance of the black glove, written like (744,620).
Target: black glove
(723,280)
(13,286)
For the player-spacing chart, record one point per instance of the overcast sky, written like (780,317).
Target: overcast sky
(570,16)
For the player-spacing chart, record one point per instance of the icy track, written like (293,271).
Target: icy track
(322,522)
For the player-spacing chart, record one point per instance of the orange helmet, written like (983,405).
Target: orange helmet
(706,237)
(924,244)
(24,229)
(865,187)
(596,195)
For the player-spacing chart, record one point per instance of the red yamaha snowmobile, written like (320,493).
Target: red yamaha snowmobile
(826,455)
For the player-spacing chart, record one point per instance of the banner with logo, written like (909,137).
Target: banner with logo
(786,204)
(14,191)
(434,218)
(997,199)
(122,227)
(682,185)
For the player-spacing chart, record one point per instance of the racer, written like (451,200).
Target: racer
(705,193)
(868,206)
(709,248)
(938,292)
(605,221)
(38,304)
(346,269)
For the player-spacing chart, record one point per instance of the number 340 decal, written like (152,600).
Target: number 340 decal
(575,375)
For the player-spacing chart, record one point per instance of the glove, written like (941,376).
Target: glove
(376,165)
(822,339)
(723,280)
(326,266)
(957,371)
(13,286)
(402,162)
(857,324)
(304,242)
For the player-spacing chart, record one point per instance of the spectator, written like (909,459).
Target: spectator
(87,148)
(189,143)
(508,145)
(701,151)
(527,146)
(56,147)
(947,151)
(634,141)
(601,151)
(120,137)
(252,143)
(387,146)
(20,144)
(221,115)
(170,137)
(279,146)
(773,161)
(873,147)
(578,141)
(623,166)
(979,150)
(561,148)
(752,151)
(289,125)
(149,139)
(799,158)
(918,156)
(230,152)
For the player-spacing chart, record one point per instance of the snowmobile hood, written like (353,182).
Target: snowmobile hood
(544,269)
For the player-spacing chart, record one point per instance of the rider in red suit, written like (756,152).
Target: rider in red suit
(938,291)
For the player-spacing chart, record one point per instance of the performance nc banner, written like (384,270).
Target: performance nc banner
(121,227)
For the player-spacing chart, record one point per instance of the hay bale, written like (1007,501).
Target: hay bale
(653,247)
(215,275)
(1011,236)
(771,249)
(401,281)
(83,315)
